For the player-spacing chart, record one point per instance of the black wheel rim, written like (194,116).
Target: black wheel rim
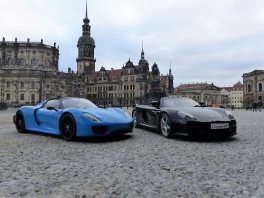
(68,128)
(20,122)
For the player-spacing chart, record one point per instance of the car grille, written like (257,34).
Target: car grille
(99,129)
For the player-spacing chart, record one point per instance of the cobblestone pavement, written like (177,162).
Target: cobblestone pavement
(141,164)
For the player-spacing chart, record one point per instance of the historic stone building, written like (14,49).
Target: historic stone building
(201,92)
(29,73)
(132,84)
(27,70)
(232,96)
(253,87)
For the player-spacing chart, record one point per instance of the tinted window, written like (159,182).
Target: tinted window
(178,102)
(52,103)
(77,103)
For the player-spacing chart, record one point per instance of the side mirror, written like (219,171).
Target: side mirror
(155,104)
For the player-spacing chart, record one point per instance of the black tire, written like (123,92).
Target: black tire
(165,125)
(134,116)
(20,122)
(68,127)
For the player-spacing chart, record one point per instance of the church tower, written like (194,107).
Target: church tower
(170,88)
(86,45)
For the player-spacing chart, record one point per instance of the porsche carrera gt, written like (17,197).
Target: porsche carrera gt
(184,116)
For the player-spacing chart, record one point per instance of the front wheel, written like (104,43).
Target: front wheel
(165,125)
(20,122)
(134,116)
(68,127)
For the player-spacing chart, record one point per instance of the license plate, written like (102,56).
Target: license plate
(219,125)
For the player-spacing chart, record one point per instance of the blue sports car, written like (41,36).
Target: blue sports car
(72,117)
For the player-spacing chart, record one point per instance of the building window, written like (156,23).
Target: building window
(21,84)
(8,84)
(249,88)
(22,96)
(34,62)
(22,62)
(9,61)
(260,87)
(33,85)
(47,63)
(8,96)
(33,97)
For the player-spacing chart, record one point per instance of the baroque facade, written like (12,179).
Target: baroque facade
(24,69)
(29,73)
(253,87)
(201,92)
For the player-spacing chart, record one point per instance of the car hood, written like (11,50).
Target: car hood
(108,114)
(203,112)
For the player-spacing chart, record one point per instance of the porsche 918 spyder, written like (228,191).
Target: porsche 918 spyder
(72,117)
(182,115)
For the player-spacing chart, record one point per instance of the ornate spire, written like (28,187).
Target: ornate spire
(86,27)
(142,52)
(170,69)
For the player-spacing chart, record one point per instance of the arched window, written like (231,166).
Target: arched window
(249,88)
(22,62)
(260,87)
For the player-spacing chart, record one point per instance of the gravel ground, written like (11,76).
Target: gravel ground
(141,164)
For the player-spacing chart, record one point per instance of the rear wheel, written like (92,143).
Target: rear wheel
(20,122)
(68,127)
(165,125)
(134,116)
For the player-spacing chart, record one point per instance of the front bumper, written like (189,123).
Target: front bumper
(196,128)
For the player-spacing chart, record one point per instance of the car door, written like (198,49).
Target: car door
(48,118)
(152,115)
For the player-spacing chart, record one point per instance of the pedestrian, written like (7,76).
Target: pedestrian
(260,105)
(255,106)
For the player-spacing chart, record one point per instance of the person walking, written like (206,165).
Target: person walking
(260,105)
(255,106)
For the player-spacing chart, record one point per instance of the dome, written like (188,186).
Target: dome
(102,68)
(129,64)
(86,39)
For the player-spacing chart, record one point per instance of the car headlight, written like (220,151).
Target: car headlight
(91,117)
(229,115)
(186,116)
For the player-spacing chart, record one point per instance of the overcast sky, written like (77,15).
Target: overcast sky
(213,41)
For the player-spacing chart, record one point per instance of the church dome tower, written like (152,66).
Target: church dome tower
(86,45)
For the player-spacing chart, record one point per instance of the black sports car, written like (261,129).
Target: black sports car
(182,115)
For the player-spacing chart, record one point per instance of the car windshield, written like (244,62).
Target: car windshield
(77,103)
(179,102)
